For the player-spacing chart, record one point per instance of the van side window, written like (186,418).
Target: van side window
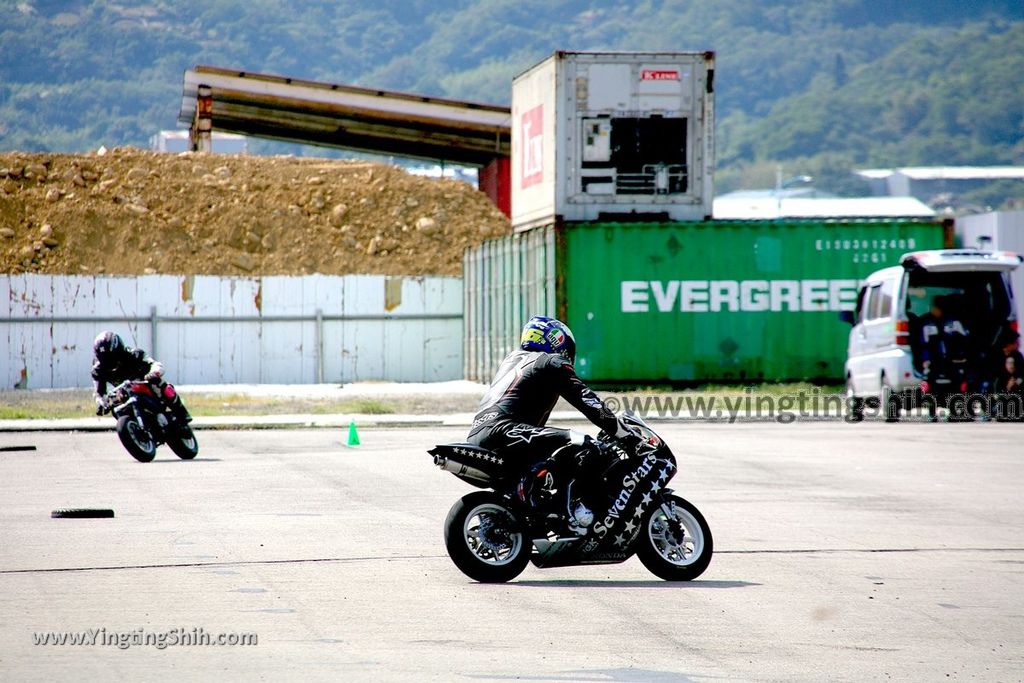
(875,302)
(862,304)
(885,306)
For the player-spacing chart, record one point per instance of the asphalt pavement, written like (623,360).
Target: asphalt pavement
(843,552)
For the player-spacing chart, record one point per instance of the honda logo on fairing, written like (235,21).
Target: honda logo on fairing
(659,75)
(531,126)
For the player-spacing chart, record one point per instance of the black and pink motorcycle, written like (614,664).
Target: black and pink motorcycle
(144,421)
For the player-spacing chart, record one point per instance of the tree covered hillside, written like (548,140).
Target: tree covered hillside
(818,85)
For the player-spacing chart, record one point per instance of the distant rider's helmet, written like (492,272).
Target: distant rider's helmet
(550,336)
(105,343)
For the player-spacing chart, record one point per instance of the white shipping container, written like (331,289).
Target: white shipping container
(613,136)
(997,231)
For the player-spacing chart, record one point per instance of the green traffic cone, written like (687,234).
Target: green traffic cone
(353,435)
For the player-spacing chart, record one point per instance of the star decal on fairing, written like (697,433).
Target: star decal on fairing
(629,527)
(620,540)
(486,457)
(645,500)
(663,476)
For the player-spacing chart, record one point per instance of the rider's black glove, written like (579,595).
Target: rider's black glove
(628,439)
(101,405)
(631,442)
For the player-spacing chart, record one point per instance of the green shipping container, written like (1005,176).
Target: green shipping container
(702,301)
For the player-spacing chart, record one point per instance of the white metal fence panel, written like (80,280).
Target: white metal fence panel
(211,329)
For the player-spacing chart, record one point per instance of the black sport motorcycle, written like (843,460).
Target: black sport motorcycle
(492,535)
(144,421)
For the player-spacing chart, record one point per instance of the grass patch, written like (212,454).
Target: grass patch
(28,405)
(369,406)
(361,406)
(768,389)
(77,403)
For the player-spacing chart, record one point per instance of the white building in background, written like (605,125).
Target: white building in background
(178,141)
(463,173)
(925,182)
(771,204)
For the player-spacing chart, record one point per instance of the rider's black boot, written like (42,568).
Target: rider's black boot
(179,410)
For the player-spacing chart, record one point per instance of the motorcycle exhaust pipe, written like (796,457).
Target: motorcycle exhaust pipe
(460,469)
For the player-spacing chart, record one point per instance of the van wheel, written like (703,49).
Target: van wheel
(854,404)
(890,401)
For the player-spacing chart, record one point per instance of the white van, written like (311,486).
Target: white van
(883,356)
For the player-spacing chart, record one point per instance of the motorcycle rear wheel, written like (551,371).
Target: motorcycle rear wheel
(676,548)
(485,539)
(183,443)
(136,440)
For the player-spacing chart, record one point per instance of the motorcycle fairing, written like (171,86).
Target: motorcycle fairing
(637,485)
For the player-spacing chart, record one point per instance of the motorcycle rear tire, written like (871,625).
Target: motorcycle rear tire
(183,442)
(126,425)
(457,542)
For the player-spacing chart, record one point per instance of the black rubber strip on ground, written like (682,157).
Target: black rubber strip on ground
(82,513)
(11,449)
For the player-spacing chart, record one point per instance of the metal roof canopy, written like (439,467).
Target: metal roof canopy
(363,119)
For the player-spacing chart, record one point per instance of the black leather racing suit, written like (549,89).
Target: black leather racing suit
(119,366)
(515,409)
(133,364)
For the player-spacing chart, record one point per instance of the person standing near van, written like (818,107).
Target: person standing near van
(943,337)
(944,356)
(1009,382)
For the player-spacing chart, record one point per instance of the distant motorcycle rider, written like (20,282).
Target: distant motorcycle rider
(114,362)
(513,413)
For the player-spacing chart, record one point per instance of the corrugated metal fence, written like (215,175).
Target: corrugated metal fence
(210,329)
(505,281)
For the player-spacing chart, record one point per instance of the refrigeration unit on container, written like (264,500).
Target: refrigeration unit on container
(613,136)
(735,301)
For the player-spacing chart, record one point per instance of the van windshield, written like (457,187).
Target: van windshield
(980,301)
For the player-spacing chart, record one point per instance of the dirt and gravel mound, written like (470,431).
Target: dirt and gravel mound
(130,211)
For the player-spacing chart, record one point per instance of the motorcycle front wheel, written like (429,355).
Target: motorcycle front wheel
(183,442)
(675,543)
(485,539)
(136,439)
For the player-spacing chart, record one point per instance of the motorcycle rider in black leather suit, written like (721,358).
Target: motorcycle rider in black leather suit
(513,413)
(115,363)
